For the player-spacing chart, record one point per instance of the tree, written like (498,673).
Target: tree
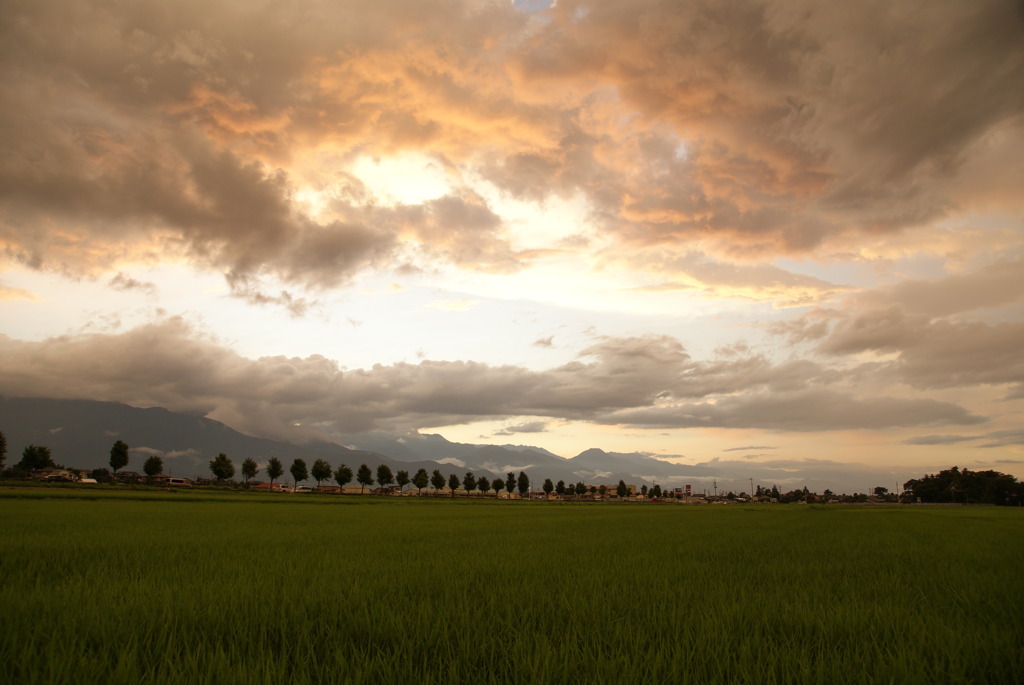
(548,487)
(602,490)
(643,489)
(523,483)
(274,470)
(364,477)
(321,471)
(657,490)
(453,483)
(35,457)
(343,476)
(249,469)
(402,479)
(483,484)
(421,480)
(560,488)
(222,467)
(118,456)
(579,488)
(469,482)
(510,483)
(881,491)
(384,476)
(101,475)
(298,471)
(3,450)
(621,490)
(154,466)
(437,480)
(497,484)
(968,487)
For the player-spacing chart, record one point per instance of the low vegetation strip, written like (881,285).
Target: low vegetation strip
(134,591)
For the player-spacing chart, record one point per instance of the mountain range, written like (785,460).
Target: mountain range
(80,434)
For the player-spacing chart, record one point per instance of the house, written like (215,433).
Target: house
(54,475)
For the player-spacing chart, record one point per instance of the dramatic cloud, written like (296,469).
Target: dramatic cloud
(628,381)
(743,128)
(736,217)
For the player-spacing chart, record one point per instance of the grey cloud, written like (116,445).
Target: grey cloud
(624,381)
(169,129)
(939,439)
(526,427)
(803,119)
(799,411)
(950,354)
(992,285)
(753,127)
(123,281)
(886,329)
(1004,438)
(994,439)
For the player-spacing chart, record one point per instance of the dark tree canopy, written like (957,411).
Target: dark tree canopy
(321,471)
(364,476)
(118,456)
(36,457)
(249,469)
(437,480)
(483,484)
(967,487)
(548,486)
(560,488)
(343,475)
(523,483)
(153,466)
(453,483)
(3,449)
(621,490)
(421,479)
(384,476)
(402,479)
(469,481)
(274,469)
(221,467)
(497,484)
(298,471)
(510,483)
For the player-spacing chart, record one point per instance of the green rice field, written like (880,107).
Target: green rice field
(193,587)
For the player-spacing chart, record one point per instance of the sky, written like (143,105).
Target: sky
(788,234)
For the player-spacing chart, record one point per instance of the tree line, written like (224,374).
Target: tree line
(963,486)
(953,485)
